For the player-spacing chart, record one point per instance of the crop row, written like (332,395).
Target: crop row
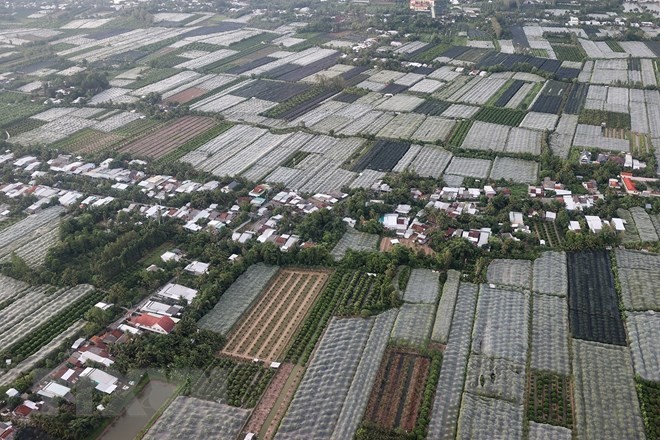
(43,334)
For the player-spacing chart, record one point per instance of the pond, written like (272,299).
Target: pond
(139,411)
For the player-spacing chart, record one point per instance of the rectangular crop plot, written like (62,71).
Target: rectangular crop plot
(211,420)
(523,140)
(397,394)
(413,324)
(496,378)
(169,137)
(249,380)
(550,334)
(238,298)
(540,121)
(501,324)
(606,404)
(434,129)
(643,223)
(271,90)
(550,399)
(265,332)
(515,170)
(486,136)
(444,415)
(515,273)
(542,431)
(356,241)
(423,287)
(445,312)
(639,287)
(383,156)
(430,161)
(498,115)
(332,391)
(644,334)
(593,303)
(468,167)
(550,274)
(482,416)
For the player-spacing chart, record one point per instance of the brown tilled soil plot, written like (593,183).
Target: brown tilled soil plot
(265,332)
(170,137)
(397,394)
(186,95)
(267,402)
(276,414)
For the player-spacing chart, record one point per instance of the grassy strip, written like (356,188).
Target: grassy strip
(615,46)
(493,99)
(460,132)
(154,75)
(612,119)
(531,95)
(194,143)
(424,416)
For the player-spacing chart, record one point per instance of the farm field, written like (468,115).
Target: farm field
(515,273)
(550,399)
(414,324)
(233,383)
(355,241)
(169,137)
(213,420)
(397,394)
(265,331)
(33,317)
(347,294)
(24,232)
(606,404)
(447,403)
(593,304)
(423,287)
(638,275)
(333,392)
(445,312)
(238,298)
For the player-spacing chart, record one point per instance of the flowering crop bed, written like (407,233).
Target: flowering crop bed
(397,394)
(550,399)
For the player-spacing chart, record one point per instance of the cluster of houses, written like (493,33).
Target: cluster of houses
(159,187)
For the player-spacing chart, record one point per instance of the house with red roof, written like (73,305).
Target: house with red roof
(157,324)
